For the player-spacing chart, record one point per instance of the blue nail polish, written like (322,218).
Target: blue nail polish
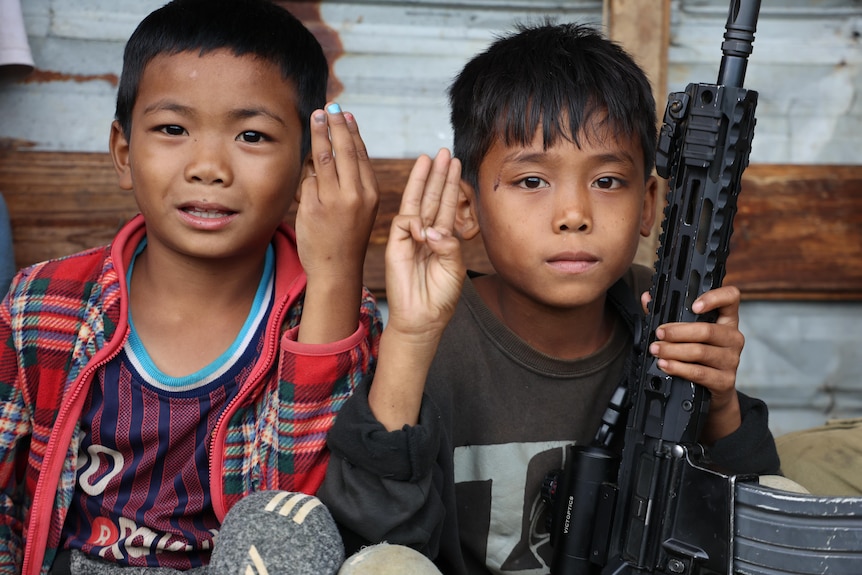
(333,108)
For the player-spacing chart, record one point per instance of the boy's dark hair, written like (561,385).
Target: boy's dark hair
(246,27)
(544,74)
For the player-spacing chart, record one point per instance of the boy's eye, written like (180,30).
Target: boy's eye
(172,130)
(533,183)
(608,183)
(251,137)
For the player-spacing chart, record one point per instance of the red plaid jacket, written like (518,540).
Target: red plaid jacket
(64,318)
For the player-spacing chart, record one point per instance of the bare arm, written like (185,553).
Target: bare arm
(424,274)
(337,207)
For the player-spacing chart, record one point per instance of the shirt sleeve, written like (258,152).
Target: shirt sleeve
(386,485)
(751,448)
(14,416)
(314,383)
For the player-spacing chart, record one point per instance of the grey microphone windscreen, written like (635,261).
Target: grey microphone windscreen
(277,533)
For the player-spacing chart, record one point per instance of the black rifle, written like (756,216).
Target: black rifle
(702,150)
(660,508)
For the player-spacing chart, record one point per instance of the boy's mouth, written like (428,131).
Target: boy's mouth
(206,210)
(572,262)
(573,257)
(207,216)
(207,213)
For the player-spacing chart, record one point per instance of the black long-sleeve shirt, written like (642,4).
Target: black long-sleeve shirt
(464,485)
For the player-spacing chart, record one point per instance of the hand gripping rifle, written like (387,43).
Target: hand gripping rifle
(661,508)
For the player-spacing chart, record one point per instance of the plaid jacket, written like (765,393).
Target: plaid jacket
(65,318)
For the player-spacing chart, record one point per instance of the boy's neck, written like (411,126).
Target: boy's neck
(176,278)
(185,314)
(564,333)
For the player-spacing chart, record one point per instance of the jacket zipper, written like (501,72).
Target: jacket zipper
(34,554)
(216,460)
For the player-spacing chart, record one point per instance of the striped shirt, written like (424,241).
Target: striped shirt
(142,496)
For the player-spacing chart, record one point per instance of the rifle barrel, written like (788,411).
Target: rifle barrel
(738,40)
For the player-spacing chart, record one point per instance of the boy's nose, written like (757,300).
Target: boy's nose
(209,164)
(573,212)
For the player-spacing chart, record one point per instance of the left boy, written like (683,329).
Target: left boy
(147,386)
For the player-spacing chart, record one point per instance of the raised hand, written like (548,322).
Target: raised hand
(424,270)
(337,207)
(424,274)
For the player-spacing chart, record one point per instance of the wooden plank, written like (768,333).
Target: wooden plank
(642,28)
(798,233)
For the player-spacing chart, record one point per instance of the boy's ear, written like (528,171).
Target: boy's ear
(649,207)
(467,216)
(119,146)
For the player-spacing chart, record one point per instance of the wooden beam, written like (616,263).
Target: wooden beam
(642,28)
(797,234)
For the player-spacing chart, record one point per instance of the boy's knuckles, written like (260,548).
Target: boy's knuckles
(356,204)
(734,292)
(723,384)
(324,158)
(350,153)
(362,154)
(700,374)
(699,354)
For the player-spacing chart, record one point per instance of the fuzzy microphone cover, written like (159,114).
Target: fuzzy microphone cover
(277,533)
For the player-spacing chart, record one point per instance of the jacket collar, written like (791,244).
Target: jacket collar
(290,278)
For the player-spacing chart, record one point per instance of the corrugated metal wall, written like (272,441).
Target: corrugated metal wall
(395,59)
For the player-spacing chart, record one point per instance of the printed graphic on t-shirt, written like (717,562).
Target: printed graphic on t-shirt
(499,493)
(97,466)
(119,538)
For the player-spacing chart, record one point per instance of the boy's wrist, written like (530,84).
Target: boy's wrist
(722,420)
(395,397)
(413,337)
(412,343)
(334,274)
(331,309)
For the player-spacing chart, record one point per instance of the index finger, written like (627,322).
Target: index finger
(348,156)
(435,186)
(333,150)
(715,299)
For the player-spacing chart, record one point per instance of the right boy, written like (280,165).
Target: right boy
(555,127)
(149,386)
